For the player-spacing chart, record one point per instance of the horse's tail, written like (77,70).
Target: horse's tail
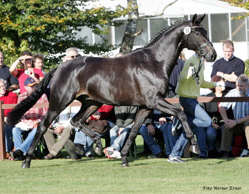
(16,114)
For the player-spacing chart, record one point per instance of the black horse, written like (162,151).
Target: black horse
(139,78)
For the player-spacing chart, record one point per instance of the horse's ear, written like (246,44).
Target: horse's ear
(197,20)
(194,18)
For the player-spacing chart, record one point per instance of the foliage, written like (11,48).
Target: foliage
(239,3)
(247,67)
(50,26)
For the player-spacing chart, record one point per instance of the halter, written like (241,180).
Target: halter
(187,31)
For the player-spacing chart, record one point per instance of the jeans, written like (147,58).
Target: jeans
(169,139)
(83,139)
(149,140)
(179,146)
(21,144)
(211,138)
(199,121)
(8,137)
(118,140)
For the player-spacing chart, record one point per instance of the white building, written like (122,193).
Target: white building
(219,22)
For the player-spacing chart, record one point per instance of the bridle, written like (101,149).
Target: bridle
(204,45)
(200,52)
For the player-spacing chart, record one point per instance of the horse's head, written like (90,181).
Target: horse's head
(195,38)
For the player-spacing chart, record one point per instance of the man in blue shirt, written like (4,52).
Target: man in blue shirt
(229,67)
(241,116)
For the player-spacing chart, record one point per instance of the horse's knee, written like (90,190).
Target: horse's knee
(182,116)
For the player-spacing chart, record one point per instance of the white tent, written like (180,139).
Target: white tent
(176,7)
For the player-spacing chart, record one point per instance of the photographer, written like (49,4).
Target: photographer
(23,68)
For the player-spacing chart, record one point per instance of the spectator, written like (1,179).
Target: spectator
(240,122)
(188,88)
(27,70)
(29,122)
(7,98)
(229,67)
(59,129)
(99,125)
(18,67)
(158,123)
(12,82)
(83,143)
(71,53)
(39,63)
(125,116)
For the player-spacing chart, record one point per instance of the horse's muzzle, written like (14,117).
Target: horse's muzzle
(208,52)
(211,56)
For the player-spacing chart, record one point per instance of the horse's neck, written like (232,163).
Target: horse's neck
(167,50)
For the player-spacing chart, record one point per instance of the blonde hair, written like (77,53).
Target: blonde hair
(228,43)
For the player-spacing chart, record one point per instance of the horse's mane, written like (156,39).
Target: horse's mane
(163,31)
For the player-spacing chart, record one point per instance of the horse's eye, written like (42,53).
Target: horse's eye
(197,33)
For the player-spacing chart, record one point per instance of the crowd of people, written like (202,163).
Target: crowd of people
(220,131)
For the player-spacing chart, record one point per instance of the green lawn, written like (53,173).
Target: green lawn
(143,176)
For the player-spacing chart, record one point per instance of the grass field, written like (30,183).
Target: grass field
(144,176)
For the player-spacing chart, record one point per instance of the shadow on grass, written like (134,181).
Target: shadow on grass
(116,161)
(220,160)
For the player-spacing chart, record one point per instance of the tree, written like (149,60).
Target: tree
(131,31)
(50,26)
(239,3)
(131,27)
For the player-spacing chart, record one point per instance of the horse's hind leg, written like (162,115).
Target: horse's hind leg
(139,120)
(171,109)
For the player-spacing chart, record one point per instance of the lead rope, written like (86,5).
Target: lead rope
(196,73)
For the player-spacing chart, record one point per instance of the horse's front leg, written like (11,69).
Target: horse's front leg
(86,110)
(171,109)
(78,121)
(41,129)
(139,120)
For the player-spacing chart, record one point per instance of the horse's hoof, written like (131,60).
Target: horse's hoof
(125,162)
(25,164)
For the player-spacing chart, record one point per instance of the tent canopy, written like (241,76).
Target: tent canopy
(179,8)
